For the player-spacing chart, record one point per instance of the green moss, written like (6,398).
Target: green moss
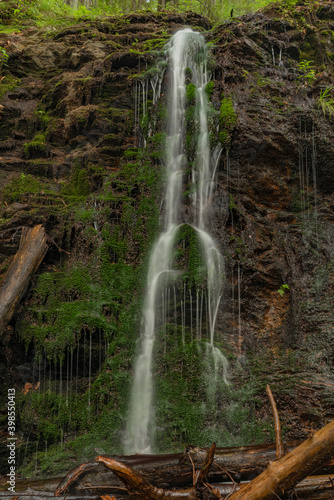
(42,119)
(189,257)
(7,83)
(188,74)
(193,404)
(36,148)
(154,44)
(112,140)
(227,122)
(18,188)
(191,135)
(131,153)
(78,184)
(158,145)
(191,93)
(209,89)
(97,291)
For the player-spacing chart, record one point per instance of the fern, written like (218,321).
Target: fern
(326,102)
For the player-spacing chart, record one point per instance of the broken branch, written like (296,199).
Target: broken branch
(279,444)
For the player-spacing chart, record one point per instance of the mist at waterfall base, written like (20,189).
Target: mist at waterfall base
(168,290)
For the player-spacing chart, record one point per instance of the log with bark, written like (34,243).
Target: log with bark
(276,481)
(280,478)
(29,256)
(283,475)
(137,485)
(176,470)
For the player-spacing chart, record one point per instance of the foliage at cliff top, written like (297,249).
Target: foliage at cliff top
(20,14)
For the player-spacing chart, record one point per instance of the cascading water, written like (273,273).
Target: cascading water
(186,53)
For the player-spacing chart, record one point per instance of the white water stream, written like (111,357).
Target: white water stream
(185,50)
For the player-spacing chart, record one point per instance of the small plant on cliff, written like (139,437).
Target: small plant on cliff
(308,71)
(326,102)
(3,57)
(282,289)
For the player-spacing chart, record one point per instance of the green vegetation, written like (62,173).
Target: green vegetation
(189,257)
(283,289)
(7,83)
(20,187)
(326,102)
(209,89)
(186,375)
(94,297)
(19,14)
(3,57)
(36,148)
(308,71)
(191,93)
(227,121)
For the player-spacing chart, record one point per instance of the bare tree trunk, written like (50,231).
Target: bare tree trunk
(30,254)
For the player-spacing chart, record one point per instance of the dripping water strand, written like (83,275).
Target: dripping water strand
(239,311)
(314,174)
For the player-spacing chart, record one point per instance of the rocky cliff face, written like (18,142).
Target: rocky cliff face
(73,126)
(280,217)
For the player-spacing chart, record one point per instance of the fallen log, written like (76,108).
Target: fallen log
(283,475)
(279,478)
(176,470)
(29,256)
(312,488)
(137,485)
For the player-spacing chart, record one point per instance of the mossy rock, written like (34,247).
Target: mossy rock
(191,93)
(112,140)
(17,188)
(209,89)
(7,83)
(35,149)
(227,122)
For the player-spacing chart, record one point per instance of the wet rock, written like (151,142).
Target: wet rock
(14,208)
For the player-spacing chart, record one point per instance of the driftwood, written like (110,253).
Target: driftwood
(283,475)
(30,254)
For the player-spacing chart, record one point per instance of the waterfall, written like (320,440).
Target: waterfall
(186,51)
